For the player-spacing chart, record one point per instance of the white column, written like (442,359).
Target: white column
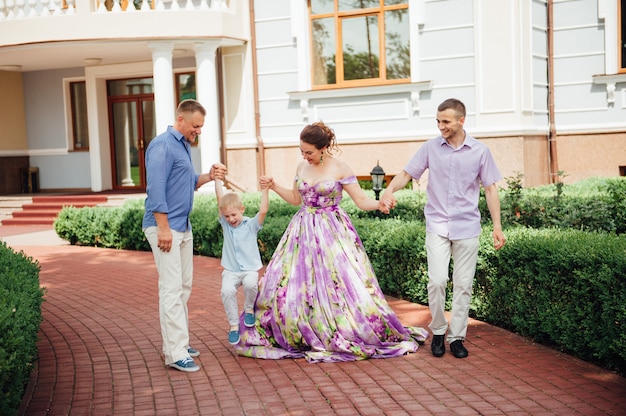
(207,95)
(164,101)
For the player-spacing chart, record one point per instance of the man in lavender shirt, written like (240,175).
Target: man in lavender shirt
(457,165)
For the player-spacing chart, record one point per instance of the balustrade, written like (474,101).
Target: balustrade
(21,9)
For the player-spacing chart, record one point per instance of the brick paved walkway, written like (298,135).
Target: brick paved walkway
(100,355)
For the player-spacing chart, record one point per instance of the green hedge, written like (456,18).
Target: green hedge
(20,317)
(561,284)
(564,288)
(592,205)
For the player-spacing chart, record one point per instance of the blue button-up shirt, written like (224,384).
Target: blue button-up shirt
(240,251)
(454,179)
(171,180)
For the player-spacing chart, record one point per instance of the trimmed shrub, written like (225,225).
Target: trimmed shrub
(591,205)
(20,317)
(563,288)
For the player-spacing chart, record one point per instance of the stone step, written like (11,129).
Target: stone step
(85,200)
(28,221)
(41,210)
(55,205)
(34,213)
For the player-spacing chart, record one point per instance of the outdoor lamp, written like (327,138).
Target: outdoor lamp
(378,177)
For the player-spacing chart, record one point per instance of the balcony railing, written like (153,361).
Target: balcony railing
(21,9)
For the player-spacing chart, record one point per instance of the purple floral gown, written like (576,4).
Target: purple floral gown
(319,298)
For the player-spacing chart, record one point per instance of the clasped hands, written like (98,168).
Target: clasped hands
(386,203)
(217,172)
(266,182)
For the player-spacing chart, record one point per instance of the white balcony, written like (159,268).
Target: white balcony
(52,34)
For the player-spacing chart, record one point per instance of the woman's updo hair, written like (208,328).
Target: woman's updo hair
(319,135)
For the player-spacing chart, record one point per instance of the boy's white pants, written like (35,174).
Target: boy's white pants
(231,281)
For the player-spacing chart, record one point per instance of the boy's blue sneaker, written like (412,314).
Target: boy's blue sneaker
(193,352)
(248,320)
(233,337)
(186,364)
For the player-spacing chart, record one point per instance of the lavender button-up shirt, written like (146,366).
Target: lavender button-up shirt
(454,179)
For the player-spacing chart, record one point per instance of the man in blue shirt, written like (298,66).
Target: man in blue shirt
(170,192)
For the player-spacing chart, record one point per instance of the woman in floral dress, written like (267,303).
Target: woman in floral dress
(319,298)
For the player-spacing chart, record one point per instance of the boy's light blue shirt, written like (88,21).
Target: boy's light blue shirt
(240,251)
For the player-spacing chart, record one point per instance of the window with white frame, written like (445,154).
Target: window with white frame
(359,42)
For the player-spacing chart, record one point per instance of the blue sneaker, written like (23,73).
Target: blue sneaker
(248,320)
(233,337)
(193,352)
(186,364)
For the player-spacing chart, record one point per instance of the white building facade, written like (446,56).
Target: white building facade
(86,84)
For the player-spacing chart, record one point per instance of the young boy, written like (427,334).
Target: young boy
(241,258)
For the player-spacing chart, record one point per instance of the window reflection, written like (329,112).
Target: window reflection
(324,51)
(80,125)
(623,34)
(322,6)
(131,86)
(397,44)
(186,86)
(357,4)
(360,48)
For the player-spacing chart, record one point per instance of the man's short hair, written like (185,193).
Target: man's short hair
(190,106)
(454,104)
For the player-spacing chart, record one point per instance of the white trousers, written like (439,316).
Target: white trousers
(175,269)
(464,253)
(231,281)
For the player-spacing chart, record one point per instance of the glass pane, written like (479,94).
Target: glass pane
(186,86)
(131,86)
(397,44)
(394,2)
(125,141)
(360,48)
(623,33)
(345,5)
(149,122)
(149,132)
(322,6)
(80,126)
(324,50)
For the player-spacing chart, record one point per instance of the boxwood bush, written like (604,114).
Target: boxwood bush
(592,205)
(20,317)
(564,288)
(559,279)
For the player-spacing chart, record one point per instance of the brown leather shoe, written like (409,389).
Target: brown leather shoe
(458,350)
(437,345)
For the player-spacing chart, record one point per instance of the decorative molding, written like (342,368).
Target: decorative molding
(413,89)
(610,81)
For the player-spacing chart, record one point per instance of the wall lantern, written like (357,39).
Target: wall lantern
(378,179)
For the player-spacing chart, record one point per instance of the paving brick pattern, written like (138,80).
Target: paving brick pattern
(100,354)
